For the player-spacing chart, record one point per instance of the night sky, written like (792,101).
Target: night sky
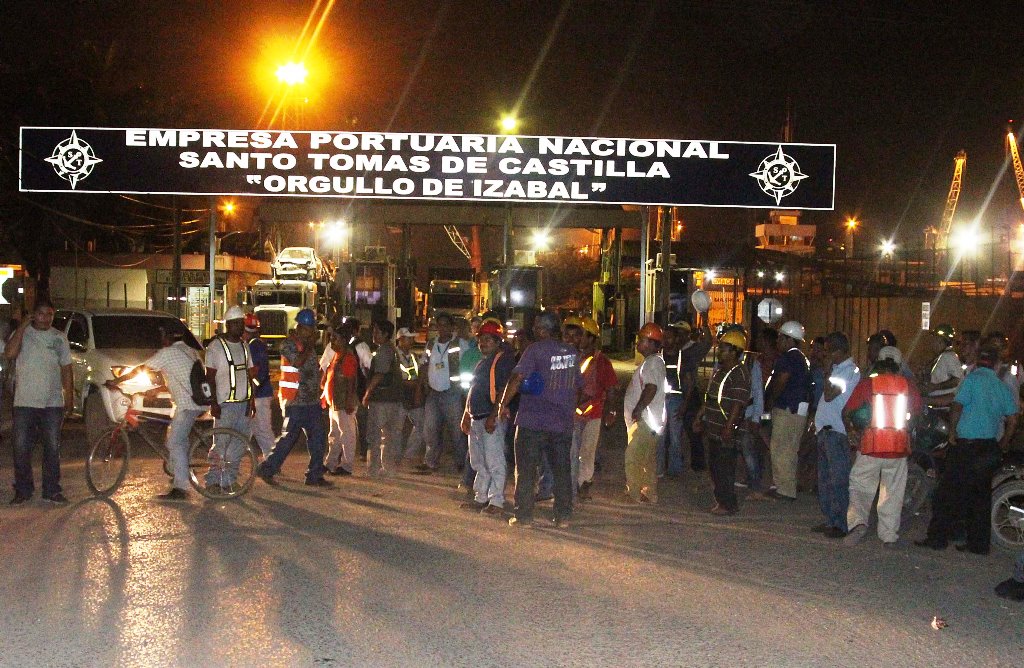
(899,87)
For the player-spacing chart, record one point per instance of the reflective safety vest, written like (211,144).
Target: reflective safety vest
(410,372)
(331,397)
(288,386)
(674,370)
(590,388)
(888,434)
(234,394)
(452,352)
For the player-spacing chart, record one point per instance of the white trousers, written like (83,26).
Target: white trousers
(262,427)
(888,477)
(585,436)
(487,457)
(342,441)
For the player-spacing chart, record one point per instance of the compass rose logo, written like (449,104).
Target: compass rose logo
(73,159)
(778,175)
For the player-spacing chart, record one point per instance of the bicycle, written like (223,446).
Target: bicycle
(211,472)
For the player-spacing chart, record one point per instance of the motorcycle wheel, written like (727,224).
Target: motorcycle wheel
(919,490)
(1007,525)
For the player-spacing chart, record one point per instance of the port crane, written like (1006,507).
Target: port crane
(938,237)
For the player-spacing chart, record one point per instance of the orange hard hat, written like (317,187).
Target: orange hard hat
(652,331)
(491,326)
(252,322)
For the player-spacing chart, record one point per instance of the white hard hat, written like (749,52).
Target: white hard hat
(701,301)
(234,313)
(405,332)
(792,329)
(891,353)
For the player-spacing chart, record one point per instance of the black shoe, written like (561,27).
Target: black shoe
(475,506)
(174,495)
(20,499)
(423,469)
(964,547)
(265,475)
(57,498)
(1011,589)
(338,471)
(834,532)
(560,522)
(933,543)
(820,528)
(584,491)
(773,494)
(539,498)
(319,482)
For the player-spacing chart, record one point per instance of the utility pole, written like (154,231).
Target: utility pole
(176,267)
(664,278)
(212,326)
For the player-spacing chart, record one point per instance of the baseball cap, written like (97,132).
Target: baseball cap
(405,331)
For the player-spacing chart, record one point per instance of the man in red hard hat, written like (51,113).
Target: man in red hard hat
(644,410)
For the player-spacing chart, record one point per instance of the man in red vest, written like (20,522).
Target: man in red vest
(881,465)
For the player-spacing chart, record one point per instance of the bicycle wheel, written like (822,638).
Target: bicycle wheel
(222,463)
(107,463)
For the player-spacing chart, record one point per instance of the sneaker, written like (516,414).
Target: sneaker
(20,499)
(560,522)
(856,535)
(739,485)
(491,509)
(1011,589)
(774,495)
(319,482)
(174,494)
(475,506)
(518,523)
(835,532)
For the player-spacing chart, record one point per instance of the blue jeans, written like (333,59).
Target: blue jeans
(298,419)
(671,438)
(233,415)
(444,409)
(834,477)
(530,444)
(29,424)
(753,457)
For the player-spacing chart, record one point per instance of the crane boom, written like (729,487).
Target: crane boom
(457,240)
(1018,170)
(942,236)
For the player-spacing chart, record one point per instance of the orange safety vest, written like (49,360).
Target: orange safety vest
(888,434)
(288,386)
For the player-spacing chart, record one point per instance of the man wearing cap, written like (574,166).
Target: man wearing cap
(262,423)
(644,411)
(842,376)
(788,395)
(981,408)
(412,392)
(947,370)
(482,423)
(597,405)
(229,369)
(299,391)
(547,378)
(883,444)
(721,419)
(879,340)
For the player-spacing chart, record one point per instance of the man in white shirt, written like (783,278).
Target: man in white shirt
(834,461)
(947,369)
(43,393)
(644,406)
(229,368)
(444,401)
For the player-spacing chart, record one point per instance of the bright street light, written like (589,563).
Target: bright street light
(888,247)
(227,208)
(292,74)
(780,276)
(540,240)
(966,240)
(508,123)
(336,232)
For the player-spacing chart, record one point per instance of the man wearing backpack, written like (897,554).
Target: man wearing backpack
(176,361)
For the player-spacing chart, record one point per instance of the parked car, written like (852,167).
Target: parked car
(298,262)
(106,343)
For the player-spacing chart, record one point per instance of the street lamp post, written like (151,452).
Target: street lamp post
(851,227)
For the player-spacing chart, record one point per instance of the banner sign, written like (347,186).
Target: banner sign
(392,165)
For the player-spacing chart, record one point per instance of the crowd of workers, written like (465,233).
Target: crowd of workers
(470,387)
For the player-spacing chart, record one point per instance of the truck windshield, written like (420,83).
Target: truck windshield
(136,331)
(280,297)
(451,301)
(295,255)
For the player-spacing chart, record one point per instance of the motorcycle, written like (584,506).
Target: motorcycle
(1008,503)
(929,437)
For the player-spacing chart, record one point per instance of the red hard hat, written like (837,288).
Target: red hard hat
(652,331)
(252,321)
(492,327)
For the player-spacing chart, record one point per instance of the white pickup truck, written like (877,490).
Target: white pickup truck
(106,343)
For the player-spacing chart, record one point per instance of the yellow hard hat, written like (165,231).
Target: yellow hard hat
(590,326)
(735,338)
(573,321)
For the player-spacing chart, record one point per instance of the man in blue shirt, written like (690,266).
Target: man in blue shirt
(263,428)
(980,406)
(788,395)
